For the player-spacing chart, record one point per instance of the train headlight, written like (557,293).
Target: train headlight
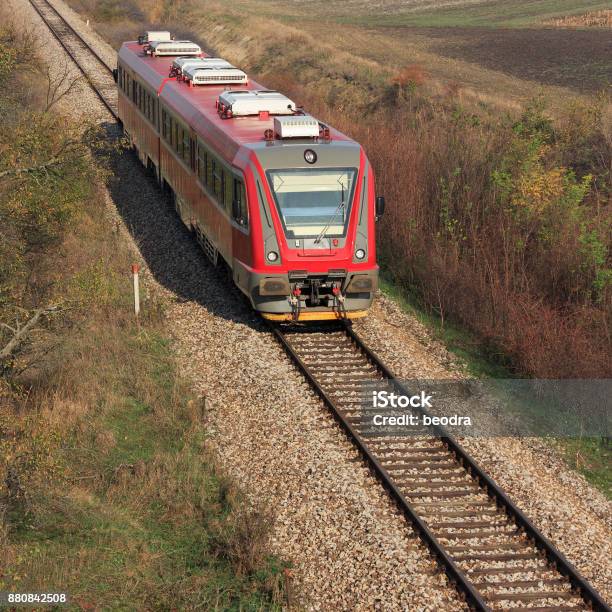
(359,253)
(272,256)
(310,156)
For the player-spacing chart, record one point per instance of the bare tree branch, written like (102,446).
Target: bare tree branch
(60,83)
(22,332)
(67,146)
(54,161)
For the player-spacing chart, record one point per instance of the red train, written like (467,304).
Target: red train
(287,202)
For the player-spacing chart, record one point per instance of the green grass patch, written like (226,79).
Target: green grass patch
(592,457)
(142,519)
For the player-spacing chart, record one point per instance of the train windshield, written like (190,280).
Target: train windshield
(313,201)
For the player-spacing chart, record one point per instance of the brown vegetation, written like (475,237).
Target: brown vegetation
(593,19)
(502,226)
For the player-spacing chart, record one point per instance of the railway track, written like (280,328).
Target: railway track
(489,549)
(96,71)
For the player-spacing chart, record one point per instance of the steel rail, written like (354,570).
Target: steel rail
(58,35)
(502,501)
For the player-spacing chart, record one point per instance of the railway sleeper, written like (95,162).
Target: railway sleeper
(509,570)
(461,513)
(554,608)
(501,557)
(486,548)
(442,458)
(523,596)
(525,584)
(472,524)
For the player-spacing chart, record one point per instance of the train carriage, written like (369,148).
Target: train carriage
(287,202)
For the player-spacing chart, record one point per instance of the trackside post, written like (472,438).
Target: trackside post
(135,271)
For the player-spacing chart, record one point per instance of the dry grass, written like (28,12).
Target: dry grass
(594,19)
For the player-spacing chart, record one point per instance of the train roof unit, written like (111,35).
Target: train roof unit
(244,103)
(173,47)
(180,64)
(153,35)
(209,105)
(214,75)
(297,126)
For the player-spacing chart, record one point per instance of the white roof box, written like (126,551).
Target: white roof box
(183,63)
(152,35)
(174,47)
(297,126)
(214,75)
(255,102)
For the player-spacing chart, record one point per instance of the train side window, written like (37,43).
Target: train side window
(222,188)
(228,189)
(217,179)
(210,168)
(166,124)
(202,164)
(239,204)
(186,147)
(192,154)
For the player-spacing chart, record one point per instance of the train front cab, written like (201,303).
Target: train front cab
(312,230)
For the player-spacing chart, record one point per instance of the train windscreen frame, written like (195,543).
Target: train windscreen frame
(313,201)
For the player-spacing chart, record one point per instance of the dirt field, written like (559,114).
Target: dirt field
(580,59)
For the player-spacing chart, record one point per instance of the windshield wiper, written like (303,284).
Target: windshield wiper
(332,219)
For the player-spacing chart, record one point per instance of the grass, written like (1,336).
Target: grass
(592,458)
(136,509)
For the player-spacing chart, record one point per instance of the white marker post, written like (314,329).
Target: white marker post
(135,270)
